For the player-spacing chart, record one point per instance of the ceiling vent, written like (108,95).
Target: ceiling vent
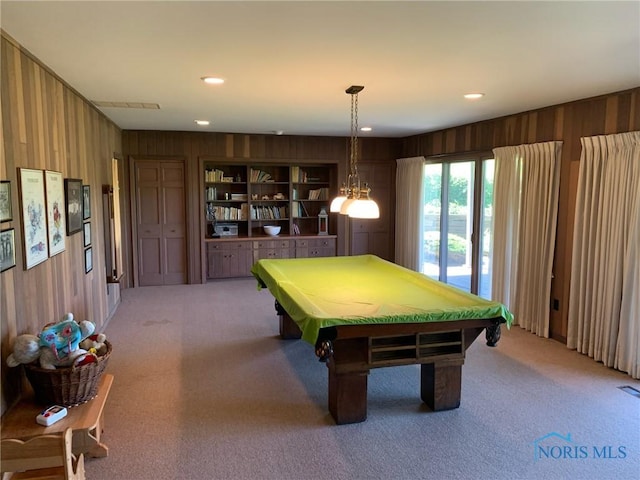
(147,106)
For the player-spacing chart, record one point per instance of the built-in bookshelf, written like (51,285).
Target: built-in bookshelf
(246,197)
(240,199)
(310,193)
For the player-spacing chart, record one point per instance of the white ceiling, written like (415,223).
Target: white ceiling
(287,64)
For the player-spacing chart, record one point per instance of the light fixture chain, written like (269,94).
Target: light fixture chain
(354,135)
(354,200)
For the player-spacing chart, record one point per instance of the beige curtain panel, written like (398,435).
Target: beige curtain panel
(604,298)
(409,212)
(527,182)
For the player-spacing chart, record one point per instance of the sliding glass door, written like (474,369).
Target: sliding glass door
(458,200)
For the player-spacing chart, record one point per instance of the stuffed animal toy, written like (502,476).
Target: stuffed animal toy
(26,349)
(58,345)
(95,343)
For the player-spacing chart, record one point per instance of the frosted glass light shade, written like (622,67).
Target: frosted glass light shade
(337,203)
(363,208)
(346,204)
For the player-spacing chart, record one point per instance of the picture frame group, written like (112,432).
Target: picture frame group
(51,208)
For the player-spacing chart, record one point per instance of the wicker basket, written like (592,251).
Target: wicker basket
(67,386)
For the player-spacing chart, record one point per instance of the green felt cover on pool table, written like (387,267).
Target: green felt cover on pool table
(364,289)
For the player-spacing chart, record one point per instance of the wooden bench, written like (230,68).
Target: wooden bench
(86,422)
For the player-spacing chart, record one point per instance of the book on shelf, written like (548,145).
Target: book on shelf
(258,176)
(268,213)
(295,174)
(220,212)
(319,194)
(298,210)
(213,175)
(302,176)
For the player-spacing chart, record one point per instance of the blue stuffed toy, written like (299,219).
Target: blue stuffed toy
(58,345)
(62,338)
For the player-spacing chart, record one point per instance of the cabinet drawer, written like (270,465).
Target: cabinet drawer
(322,243)
(271,244)
(316,242)
(239,245)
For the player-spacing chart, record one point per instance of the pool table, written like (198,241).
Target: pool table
(362,312)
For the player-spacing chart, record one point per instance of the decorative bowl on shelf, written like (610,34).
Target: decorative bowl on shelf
(272,230)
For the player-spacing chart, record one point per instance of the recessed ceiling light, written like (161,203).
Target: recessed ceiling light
(213,80)
(473,96)
(202,123)
(366,129)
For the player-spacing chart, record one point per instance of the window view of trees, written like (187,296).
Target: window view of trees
(459,216)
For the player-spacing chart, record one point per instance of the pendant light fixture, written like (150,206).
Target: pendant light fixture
(353,199)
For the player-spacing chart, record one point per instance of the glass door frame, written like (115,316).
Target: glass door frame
(446,161)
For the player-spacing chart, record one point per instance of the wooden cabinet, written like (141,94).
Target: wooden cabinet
(315,247)
(228,258)
(280,248)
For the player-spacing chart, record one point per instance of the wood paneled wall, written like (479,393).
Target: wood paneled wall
(47,125)
(614,113)
(191,146)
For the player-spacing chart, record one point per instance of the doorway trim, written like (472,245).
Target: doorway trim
(133,161)
(477,158)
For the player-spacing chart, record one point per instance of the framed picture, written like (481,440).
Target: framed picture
(7,249)
(34,217)
(6,215)
(86,202)
(55,211)
(88,260)
(73,198)
(87,234)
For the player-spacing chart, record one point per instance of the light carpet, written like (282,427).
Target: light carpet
(205,389)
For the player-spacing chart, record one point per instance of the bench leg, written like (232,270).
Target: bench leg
(440,384)
(88,441)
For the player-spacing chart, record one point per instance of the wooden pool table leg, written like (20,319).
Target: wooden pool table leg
(440,384)
(288,328)
(347,395)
